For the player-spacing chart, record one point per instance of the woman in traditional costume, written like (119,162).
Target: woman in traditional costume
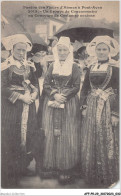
(100,109)
(61,113)
(19,123)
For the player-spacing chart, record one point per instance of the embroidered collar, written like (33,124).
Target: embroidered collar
(99,67)
(11,61)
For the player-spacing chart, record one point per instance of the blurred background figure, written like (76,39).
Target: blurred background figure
(37,56)
(83,60)
(82,54)
(81,57)
(4,55)
(52,41)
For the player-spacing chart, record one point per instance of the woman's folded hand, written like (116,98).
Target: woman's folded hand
(26,98)
(60,98)
(56,104)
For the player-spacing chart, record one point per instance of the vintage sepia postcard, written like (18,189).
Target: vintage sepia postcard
(60,97)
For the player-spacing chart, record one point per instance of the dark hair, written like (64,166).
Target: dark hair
(81,49)
(36,48)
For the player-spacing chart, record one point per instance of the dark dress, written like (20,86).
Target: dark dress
(17,118)
(38,74)
(39,144)
(61,152)
(100,145)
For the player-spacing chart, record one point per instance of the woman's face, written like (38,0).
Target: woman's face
(102,51)
(37,57)
(63,52)
(19,51)
(83,55)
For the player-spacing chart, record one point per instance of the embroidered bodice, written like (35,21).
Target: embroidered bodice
(16,80)
(68,85)
(100,75)
(61,81)
(18,75)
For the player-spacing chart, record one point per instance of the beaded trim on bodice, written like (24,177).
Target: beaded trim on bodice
(107,78)
(22,71)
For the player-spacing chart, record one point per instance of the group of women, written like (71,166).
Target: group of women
(76,137)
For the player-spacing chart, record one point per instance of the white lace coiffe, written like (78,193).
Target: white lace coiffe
(66,68)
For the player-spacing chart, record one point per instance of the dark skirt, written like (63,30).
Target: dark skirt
(61,152)
(13,158)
